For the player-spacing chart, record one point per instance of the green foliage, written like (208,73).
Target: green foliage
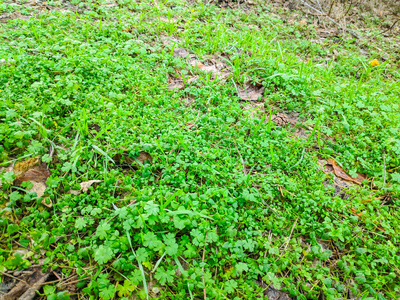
(223,204)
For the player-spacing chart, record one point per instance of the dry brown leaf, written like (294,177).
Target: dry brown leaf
(190,125)
(197,64)
(251,92)
(74,192)
(144,156)
(44,202)
(37,174)
(180,52)
(303,22)
(339,172)
(31,170)
(38,188)
(176,84)
(23,166)
(86,184)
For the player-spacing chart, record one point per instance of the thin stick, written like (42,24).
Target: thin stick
(291,232)
(57,72)
(9,275)
(330,8)
(391,27)
(202,260)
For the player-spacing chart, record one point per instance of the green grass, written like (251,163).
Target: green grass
(145,221)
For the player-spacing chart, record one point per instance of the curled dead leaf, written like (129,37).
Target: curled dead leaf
(86,184)
(47,202)
(339,172)
(33,171)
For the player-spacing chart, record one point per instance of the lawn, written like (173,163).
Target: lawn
(180,150)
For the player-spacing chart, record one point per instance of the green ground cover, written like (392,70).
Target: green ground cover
(200,191)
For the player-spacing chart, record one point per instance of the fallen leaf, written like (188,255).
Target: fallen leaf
(176,84)
(86,184)
(36,174)
(339,172)
(144,156)
(303,22)
(190,125)
(74,192)
(374,63)
(38,188)
(22,167)
(44,202)
(251,92)
(197,64)
(180,52)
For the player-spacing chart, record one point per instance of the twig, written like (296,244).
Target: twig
(332,20)
(75,281)
(351,3)
(202,260)
(9,275)
(291,232)
(391,27)
(57,72)
(330,8)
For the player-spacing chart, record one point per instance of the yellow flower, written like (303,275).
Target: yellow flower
(374,63)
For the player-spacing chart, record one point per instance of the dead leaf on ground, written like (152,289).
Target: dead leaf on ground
(303,22)
(190,125)
(128,161)
(23,166)
(271,292)
(339,185)
(251,92)
(34,171)
(180,52)
(339,172)
(217,69)
(15,15)
(86,184)
(144,156)
(175,84)
(74,192)
(178,83)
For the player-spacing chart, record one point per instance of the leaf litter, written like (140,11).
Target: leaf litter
(32,170)
(251,92)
